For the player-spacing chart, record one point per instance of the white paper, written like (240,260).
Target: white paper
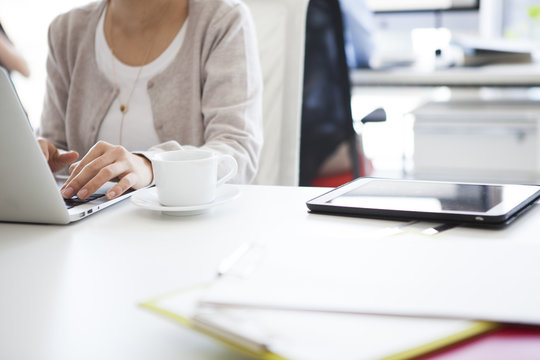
(408,274)
(314,336)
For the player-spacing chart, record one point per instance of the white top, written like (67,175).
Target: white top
(139,133)
(204,98)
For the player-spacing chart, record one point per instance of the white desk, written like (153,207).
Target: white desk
(71,292)
(518,75)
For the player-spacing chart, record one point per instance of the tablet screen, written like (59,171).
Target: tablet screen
(413,196)
(417,199)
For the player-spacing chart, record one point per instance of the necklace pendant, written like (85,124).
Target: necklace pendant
(123,109)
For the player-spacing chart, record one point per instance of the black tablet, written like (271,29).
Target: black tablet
(451,202)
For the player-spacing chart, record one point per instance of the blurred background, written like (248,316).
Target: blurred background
(406,33)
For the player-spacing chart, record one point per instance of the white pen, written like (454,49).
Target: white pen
(227,263)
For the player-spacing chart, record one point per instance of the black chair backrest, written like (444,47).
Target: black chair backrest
(326,110)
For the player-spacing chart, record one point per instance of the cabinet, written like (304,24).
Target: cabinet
(477,140)
(471,124)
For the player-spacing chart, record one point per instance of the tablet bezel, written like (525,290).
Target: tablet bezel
(497,215)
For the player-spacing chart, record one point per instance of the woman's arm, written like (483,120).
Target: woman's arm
(232,92)
(10,57)
(230,95)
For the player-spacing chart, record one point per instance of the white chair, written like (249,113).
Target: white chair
(281,27)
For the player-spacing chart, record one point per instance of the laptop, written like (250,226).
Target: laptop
(29,192)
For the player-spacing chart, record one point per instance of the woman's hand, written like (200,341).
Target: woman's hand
(57,159)
(105,162)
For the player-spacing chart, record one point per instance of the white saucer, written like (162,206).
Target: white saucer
(148,199)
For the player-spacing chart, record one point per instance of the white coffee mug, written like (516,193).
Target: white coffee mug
(189,177)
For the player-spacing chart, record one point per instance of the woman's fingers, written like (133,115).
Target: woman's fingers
(99,169)
(44,145)
(104,163)
(107,173)
(122,186)
(95,152)
(57,159)
(66,158)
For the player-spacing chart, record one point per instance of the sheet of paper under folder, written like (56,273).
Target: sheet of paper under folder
(313,336)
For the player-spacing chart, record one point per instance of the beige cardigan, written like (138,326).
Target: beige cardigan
(210,96)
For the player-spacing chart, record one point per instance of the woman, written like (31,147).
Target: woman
(128,78)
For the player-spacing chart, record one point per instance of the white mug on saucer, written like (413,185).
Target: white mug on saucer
(189,177)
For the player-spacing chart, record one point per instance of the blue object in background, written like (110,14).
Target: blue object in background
(359,28)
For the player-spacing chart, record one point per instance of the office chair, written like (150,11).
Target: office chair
(280,26)
(327,120)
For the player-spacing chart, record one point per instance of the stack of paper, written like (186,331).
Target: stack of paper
(480,51)
(275,334)
(392,297)
(405,275)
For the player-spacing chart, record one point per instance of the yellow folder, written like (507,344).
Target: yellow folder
(278,334)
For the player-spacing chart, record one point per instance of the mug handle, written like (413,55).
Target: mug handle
(233,170)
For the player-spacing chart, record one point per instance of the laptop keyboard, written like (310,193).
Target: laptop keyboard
(75,201)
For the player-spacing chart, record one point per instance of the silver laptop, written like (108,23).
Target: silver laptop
(29,192)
